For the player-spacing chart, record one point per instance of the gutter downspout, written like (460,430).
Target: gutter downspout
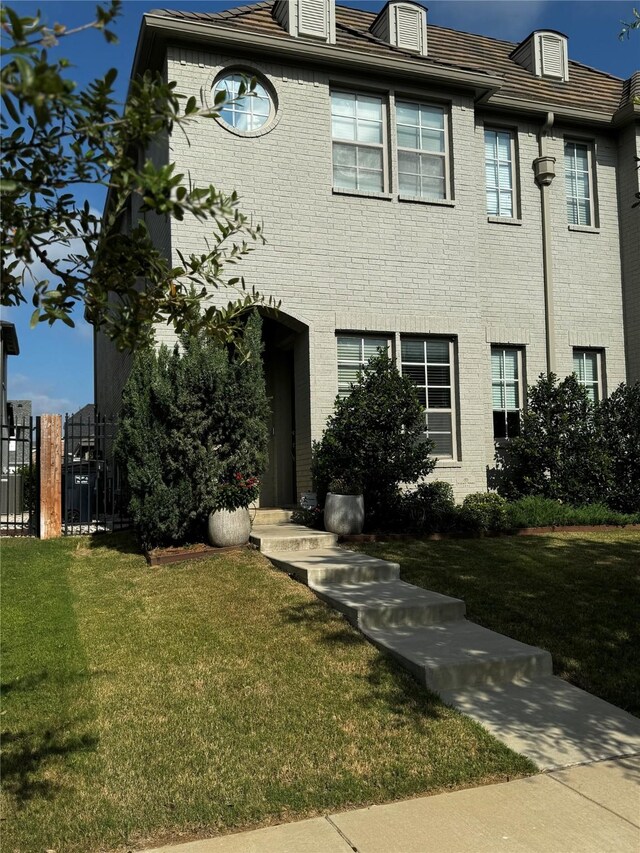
(544,172)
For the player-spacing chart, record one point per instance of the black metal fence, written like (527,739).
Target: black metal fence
(19,487)
(93,497)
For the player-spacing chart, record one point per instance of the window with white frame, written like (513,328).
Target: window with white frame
(578,179)
(357,127)
(247,112)
(506,391)
(421,132)
(428,362)
(499,167)
(587,366)
(354,353)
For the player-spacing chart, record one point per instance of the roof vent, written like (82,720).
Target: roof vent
(544,53)
(402,25)
(313,18)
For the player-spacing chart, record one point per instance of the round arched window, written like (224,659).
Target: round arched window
(247,113)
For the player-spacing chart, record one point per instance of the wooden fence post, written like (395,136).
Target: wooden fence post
(50,454)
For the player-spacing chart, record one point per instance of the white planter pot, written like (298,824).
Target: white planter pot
(344,514)
(229,527)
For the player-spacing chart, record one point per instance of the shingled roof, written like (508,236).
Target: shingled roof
(587,89)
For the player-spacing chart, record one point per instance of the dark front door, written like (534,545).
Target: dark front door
(278,483)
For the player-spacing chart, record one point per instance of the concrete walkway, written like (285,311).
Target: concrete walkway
(504,684)
(586,809)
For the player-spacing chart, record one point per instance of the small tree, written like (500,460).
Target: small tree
(193,434)
(559,452)
(376,438)
(620,421)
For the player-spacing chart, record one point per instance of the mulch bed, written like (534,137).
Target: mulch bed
(198,551)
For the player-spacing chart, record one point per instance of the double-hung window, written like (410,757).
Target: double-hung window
(354,353)
(421,131)
(499,167)
(428,362)
(357,127)
(506,391)
(578,179)
(587,366)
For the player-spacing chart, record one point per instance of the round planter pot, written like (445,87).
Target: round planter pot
(229,527)
(344,514)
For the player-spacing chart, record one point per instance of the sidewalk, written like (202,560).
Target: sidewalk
(592,808)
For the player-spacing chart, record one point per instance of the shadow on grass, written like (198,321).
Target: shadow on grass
(387,682)
(25,683)
(27,754)
(125,542)
(573,595)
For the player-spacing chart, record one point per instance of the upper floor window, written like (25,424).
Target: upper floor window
(422,150)
(506,391)
(499,160)
(578,178)
(248,112)
(357,127)
(354,353)
(428,362)
(587,366)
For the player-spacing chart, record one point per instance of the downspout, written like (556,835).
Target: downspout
(544,172)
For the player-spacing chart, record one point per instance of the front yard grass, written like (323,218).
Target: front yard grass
(148,705)
(575,594)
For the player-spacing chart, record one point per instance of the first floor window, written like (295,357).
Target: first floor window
(357,129)
(578,183)
(587,367)
(499,168)
(354,353)
(506,391)
(428,362)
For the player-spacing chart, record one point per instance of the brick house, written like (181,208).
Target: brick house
(464,201)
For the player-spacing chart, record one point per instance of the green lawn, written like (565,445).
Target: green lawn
(575,594)
(143,705)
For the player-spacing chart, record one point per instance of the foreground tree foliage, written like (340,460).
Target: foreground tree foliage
(56,140)
(375,439)
(193,419)
(574,451)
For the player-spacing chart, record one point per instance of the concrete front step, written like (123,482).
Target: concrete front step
(460,654)
(550,721)
(265,515)
(323,566)
(380,604)
(289,537)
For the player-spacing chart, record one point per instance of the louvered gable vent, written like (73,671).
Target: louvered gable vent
(544,53)
(402,25)
(314,18)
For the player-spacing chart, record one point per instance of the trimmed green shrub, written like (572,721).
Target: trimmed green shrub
(560,451)
(375,437)
(484,511)
(192,436)
(429,508)
(619,416)
(536,511)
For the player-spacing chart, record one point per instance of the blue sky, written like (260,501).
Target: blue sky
(55,365)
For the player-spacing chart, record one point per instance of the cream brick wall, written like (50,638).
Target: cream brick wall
(362,263)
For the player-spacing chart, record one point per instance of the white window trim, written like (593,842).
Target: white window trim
(446,154)
(515,195)
(452,386)
(592,181)
(521,386)
(384,145)
(360,363)
(599,383)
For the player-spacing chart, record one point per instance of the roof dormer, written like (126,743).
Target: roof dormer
(544,53)
(312,18)
(404,25)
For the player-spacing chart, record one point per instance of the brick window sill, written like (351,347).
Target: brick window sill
(361,193)
(503,220)
(584,229)
(438,202)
